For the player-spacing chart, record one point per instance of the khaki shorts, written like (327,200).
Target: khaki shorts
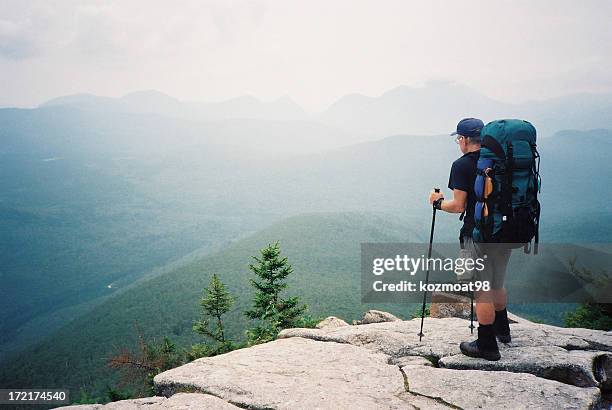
(496,257)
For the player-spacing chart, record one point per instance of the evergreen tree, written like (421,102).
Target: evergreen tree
(272,310)
(215,302)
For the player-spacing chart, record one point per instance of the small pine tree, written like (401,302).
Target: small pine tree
(419,310)
(215,303)
(273,311)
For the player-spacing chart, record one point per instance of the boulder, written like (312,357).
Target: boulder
(300,373)
(292,373)
(331,322)
(450,305)
(551,362)
(376,316)
(384,366)
(477,389)
(573,356)
(398,338)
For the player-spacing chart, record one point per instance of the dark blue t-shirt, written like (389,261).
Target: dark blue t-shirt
(462,177)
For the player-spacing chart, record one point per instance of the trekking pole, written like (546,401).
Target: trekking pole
(433,223)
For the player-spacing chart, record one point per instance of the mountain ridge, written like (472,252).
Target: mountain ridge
(399,110)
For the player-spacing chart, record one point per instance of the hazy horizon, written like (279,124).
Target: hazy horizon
(315,52)
(286,96)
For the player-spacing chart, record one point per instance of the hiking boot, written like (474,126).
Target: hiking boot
(484,347)
(501,326)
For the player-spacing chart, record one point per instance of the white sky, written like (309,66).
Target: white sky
(314,51)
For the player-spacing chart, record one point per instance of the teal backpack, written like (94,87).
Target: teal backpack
(507,185)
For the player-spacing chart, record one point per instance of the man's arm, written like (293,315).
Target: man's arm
(455,205)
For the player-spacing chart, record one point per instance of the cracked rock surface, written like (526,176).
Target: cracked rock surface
(293,373)
(384,366)
(475,389)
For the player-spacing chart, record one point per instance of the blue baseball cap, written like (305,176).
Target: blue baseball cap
(469,127)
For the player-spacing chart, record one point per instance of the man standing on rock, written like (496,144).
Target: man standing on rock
(490,305)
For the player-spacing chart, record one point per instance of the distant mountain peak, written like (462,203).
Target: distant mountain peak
(74,99)
(398,89)
(151,93)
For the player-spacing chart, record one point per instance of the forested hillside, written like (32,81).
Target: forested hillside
(324,250)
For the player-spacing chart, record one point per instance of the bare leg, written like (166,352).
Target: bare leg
(485,308)
(500,298)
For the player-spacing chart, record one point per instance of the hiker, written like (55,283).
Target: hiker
(490,305)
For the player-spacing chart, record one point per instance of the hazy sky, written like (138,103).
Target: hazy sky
(314,51)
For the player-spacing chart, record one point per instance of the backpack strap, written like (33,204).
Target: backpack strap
(492,144)
(536,239)
(507,185)
(475,155)
(536,172)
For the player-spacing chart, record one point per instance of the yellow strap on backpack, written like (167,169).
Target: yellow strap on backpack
(488,188)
